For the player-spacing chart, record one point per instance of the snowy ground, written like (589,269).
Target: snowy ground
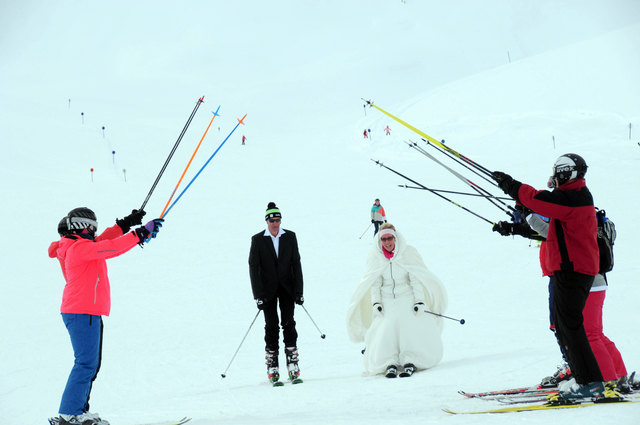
(182,305)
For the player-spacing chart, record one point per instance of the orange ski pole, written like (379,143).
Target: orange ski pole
(215,114)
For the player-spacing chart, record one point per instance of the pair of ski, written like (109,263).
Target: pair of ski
(56,421)
(279,383)
(294,378)
(522,398)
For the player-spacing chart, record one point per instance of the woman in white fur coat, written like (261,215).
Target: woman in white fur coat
(387,310)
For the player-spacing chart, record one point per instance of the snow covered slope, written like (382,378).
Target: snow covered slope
(298,70)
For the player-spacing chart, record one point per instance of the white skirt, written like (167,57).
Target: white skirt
(399,336)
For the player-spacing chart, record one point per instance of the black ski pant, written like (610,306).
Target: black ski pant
(570,292)
(286,320)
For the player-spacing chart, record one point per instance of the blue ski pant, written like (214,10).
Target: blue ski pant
(85,331)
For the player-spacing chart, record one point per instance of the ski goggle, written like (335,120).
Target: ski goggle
(78,223)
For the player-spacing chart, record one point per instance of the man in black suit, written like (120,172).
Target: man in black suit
(276,279)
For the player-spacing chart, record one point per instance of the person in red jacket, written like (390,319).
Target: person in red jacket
(572,257)
(87,297)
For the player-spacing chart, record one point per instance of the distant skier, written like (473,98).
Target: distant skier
(276,280)
(244,138)
(87,297)
(387,130)
(365,134)
(378,215)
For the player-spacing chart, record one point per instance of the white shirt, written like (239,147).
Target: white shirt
(275,239)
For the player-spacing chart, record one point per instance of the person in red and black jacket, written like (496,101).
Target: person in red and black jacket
(572,256)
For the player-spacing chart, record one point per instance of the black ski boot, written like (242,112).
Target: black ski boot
(271,357)
(409,368)
(292,364)
(562,374)
(392,371)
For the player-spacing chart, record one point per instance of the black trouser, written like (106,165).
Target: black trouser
(552,314)
(570,292)
(376,225)
(273,323)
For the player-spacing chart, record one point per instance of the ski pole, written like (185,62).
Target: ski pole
(215,114)
(323,336)
(184,130)
(240,121)
(448,155)
(487,195)
(462,321)
(454,192)
(224,374)
(365,230)
(432,140)
(434,192)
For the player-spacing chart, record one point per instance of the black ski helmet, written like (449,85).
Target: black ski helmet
(62,226)
(568,167)
(82,218)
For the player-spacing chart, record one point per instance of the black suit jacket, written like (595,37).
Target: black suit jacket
(268,272)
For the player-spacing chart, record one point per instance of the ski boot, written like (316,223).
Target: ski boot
(271,357)
(597,392)
(634,381)
(83,419)
(408,370)
(392,371)
(562,374)
(620,385)
(292,364)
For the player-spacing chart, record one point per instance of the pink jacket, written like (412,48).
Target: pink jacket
(84,268)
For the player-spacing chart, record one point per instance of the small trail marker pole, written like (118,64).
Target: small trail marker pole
(124,172)
(113,154)
(92,175)
(82,114)
(103,131)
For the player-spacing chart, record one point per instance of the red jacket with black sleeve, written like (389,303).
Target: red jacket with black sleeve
(572,239)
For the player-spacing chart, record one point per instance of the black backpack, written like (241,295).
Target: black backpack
(606,238)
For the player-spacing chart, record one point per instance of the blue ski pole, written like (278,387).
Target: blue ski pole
(240,121)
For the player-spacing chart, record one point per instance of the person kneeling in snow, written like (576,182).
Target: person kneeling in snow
(87,297)
(388,310)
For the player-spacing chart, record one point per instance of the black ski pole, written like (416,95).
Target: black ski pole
(434,192)
(224,374)
(462,321)
(164,167)
(365,230)
(454,158)
(456,193)
(323,336)
(487,195)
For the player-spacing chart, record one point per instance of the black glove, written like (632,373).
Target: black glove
(418,306)
(372,220)
(299,299)
(505,228)
(131,220)
(523,210)
(504,180)
(260,303)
